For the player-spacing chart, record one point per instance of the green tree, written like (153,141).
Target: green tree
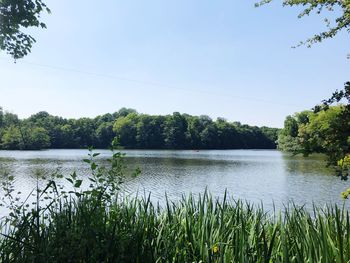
(288,140)
(150,132)
(325,131)
(126,131)
(105,134)
(328,133)
(290,127)
(195,126)
(288,143)
(175,127)
(209,136)
(334,26)
(1,117)
(104,118)
(15,16)
(123,112)
(25,138)
(84,130)
(67,138)
(12,139)
(38,139)
(228,137)
(10,119)
(177,131)
(271,134)
(293,138)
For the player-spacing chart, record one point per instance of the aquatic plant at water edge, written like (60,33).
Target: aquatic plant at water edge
(98,225)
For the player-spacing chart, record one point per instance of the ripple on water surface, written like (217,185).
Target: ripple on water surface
(255,175)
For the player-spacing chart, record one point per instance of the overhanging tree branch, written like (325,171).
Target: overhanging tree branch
(15,16)
(334,26)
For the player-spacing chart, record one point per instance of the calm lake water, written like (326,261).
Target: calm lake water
(254,175)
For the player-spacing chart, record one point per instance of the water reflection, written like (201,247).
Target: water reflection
(267,176)
(315,164)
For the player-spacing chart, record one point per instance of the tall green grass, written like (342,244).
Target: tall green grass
(199,229)
(95,225)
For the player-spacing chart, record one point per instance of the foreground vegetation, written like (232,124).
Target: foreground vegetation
(130,129)
(205,230)
(93,224)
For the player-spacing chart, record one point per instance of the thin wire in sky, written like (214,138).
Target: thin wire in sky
(152,83)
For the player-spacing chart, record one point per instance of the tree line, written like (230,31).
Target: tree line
(131,130)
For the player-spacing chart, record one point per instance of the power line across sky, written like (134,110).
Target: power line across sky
(145,83)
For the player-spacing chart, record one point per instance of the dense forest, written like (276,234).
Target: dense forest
(131,130)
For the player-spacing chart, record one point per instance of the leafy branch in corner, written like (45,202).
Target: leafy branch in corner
(15,16)
(334,26)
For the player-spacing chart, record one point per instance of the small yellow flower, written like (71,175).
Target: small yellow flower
(345,195)
(345,162)
(215,249)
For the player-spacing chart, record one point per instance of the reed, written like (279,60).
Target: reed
(201,229)
(95,225)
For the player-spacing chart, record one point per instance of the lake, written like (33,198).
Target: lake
(266,176)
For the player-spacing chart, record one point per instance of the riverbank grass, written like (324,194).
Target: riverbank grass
(192,230)
(95,225)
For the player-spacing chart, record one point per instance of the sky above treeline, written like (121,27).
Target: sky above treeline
(222,58)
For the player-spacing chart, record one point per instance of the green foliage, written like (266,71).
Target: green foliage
(1,117)
(16,15)
(201,229)
(91,223)
(129,129)
(125,129)
(227,132)
(25,138)
(335,125)
(326,131)
(12,138)
(341,7)
(38,138)
(123,112)
(293,137)
(149,133)
(288,143)
(9,119)
(290,127)
(104,134)
(182,131)
(344,169)
(175,127)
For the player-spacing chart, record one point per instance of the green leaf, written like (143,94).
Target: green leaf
(93,166)
(69,180)
(74,175)
(78,183)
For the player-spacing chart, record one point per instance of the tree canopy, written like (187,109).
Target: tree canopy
(15,16)
(333,26)
(326,130)
(131,130)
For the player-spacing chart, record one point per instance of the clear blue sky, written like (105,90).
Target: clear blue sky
(221,58)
